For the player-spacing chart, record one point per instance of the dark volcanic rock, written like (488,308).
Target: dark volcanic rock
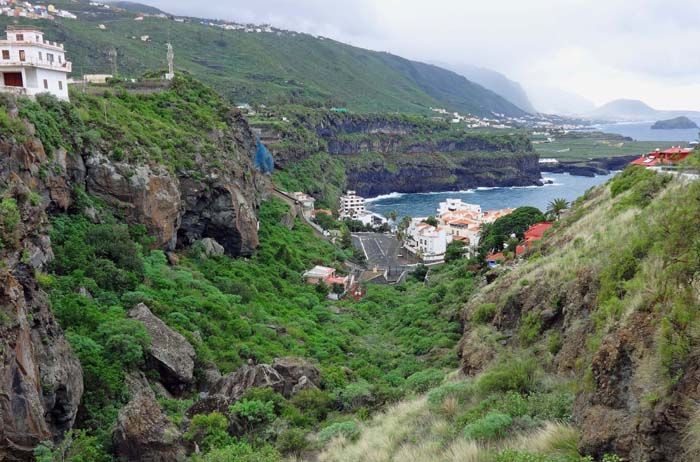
(235,384)
(169,352)
(144,434)
(297,373)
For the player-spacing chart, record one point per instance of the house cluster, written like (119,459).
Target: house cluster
(248,28)
(338,285)
(456,221)
(533,234)
(28,10)
(30,65)
(666,157)
(352,207)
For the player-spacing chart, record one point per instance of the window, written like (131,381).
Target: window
(22,56)
(49,57)
(59,59)
(5,54)
(20,37)
(46,84)
(60,85)
(40,56)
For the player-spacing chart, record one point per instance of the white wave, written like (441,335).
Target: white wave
(394,195)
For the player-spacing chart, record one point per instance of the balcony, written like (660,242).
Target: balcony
(66,66)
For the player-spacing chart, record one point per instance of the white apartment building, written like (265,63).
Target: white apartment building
(454,205)
(30,65)
(426,241)
(351,205)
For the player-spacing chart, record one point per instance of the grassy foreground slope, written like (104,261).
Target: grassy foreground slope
(585,351)
(266,67)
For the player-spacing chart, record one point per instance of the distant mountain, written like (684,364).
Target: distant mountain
(625,109)
(136,7)
(552,100)
(266,66)
(497,83)
(677,123)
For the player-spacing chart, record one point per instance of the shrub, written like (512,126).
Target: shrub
(9,223)
(510,374)
(254,412)
(241,452)
(530,327)
(493,425)
(484,313)
(355,395)
(209,431)
(459,390)
(348,430)
(292,442)
(422,381)
(313,403)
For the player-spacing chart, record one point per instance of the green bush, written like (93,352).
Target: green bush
(240,452)
(422,381)
(484,313)
(493,425)
(530,327)
(510,374)
(459,390)
(254,412)
(292,442)
(209,431)
(9,223)
(348,430)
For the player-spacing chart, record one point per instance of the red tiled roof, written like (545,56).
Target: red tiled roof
(536,231)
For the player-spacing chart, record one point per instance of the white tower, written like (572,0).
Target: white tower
(171,67)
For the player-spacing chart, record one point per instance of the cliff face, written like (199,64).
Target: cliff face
(393,153)
(609,305)
(428,172)
(41,381)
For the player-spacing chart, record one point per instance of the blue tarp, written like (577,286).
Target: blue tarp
(263,159)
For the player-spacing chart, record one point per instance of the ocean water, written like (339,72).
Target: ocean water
(641,131)
(425,204)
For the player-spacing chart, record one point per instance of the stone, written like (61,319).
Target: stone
(211,248)
(169,352)
(143,433)
(235,384)
(292,370)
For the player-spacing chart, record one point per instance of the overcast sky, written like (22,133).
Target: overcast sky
(599,49)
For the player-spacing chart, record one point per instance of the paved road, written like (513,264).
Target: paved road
(382,250)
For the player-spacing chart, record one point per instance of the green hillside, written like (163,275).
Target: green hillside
(266,67)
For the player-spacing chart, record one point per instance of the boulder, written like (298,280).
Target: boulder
(235,384)
(211,248)
(144,434)
(297,373)
(41,380)
(169,352)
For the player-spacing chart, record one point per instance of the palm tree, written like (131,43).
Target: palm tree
(392,215)
(556,207)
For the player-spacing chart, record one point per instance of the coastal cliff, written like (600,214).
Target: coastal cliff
(383,153)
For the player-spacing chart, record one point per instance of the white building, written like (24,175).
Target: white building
(427,242)
(454,205)
(371,219)
(31,65)
(305,200)
(351,205)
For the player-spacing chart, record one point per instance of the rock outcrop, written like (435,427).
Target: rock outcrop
(41,380)
(144,434)
(297,373)
(235,384)
(169,353)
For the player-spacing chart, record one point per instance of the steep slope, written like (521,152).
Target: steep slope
(609,300)
(585,350)
(266,67)
(497,83)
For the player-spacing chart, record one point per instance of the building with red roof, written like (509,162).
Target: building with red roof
(667,156)
(534,233)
